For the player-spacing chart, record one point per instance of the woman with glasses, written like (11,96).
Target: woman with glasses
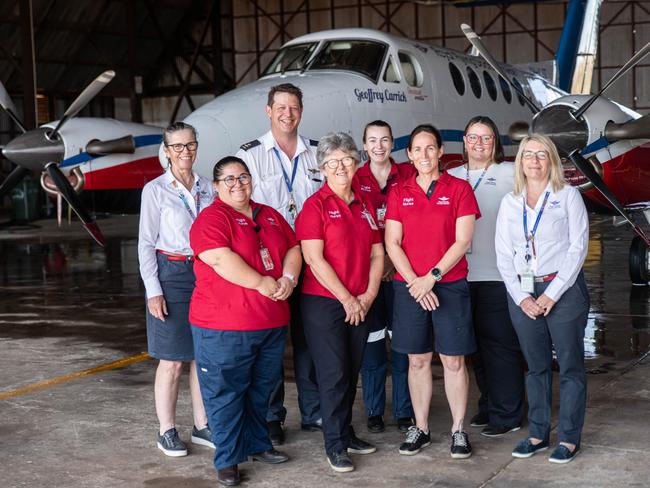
(429,226)
(342,247)
(247,261)
(374,180)
(170,203)
(498,363)
(541,243)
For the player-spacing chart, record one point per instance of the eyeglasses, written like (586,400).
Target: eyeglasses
(540,155)
(231,181)
(178,148)
(473,138)
(334,163)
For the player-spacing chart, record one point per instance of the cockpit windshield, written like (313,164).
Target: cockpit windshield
(291,58)
(362,56)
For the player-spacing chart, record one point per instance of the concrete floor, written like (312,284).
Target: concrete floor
(73,415)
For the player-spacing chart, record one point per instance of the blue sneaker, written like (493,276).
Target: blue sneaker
(526,449)
(171,444)
(562,455)
(202,437)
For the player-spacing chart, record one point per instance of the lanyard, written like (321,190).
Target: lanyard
(480,178)
(288,182)
(531,238)
(197,201)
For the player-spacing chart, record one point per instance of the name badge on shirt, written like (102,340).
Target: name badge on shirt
(528,281)
(370,220)
(267,260)
(381,217)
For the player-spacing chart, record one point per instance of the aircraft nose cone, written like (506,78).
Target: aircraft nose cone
(33,150)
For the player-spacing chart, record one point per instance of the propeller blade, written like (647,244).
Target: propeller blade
(84,98)
(480,47)
(632,129)
(123,145)
(8,106)
(590,173)
(518,130)
(633,61)
(12,180)
(66,190)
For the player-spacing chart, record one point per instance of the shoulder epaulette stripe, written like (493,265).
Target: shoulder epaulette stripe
(313,142)
(250,145)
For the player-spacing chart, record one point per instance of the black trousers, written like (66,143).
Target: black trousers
(499,367)
(337,348)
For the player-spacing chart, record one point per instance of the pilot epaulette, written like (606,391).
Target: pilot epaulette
(312,142)
(250,145)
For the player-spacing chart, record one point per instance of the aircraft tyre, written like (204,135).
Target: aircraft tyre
(639,254)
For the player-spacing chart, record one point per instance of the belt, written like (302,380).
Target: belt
(543,278)
(175,257)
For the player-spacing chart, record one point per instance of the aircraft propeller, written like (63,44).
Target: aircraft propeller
(41,150)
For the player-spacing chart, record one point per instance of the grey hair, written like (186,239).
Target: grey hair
(333,141)
(175,127)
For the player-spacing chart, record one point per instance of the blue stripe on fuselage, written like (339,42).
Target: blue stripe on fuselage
(140,141)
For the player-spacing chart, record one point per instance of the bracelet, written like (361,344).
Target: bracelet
(291,277)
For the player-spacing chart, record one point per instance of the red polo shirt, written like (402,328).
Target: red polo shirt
(347,235)
(429,225)
(366,183)
(218,303)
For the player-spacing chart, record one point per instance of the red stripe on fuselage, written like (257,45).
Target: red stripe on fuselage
(127,176)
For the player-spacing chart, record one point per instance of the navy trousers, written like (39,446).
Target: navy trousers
(563,330)
(375,363)
(305,373)
(237,371)
(337,348)
(500,364)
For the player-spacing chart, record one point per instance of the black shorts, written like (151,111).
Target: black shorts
(451,323)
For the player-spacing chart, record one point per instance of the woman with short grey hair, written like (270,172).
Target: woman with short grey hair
(342,248)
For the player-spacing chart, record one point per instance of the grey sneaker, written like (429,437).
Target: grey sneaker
(460,446)
(171,444)
(202,437)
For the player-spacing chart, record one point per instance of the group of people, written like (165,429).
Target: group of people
(481,261)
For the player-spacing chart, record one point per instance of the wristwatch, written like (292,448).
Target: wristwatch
(435,272)
(291,277)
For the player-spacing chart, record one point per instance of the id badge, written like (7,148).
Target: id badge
(381,217)
(293,210)
(370,220)
(267,260)
(528,281)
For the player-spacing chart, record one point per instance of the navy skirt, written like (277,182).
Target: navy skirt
(172,339)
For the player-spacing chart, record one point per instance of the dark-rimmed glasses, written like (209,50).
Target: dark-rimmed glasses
(231,180)
(178,147)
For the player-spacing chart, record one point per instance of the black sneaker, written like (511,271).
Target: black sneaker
(416,439)
(358,446)
(340,462)
(481,419)
(405,423)
(460,446)
(171,444)
(498,431)
(202,437)
(525,449)
(276,433)
(375,424)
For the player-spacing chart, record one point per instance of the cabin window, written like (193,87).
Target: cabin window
(474,82)
(505,90)
(457,78)
(490,85)
(410,69)
(390,74)
(521,99)
(362,56)
(291,58)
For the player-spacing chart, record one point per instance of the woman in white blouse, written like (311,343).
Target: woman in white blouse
(170,203)
(541,243)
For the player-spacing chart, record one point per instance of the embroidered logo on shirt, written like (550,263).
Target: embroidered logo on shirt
(491,181)
(241,221)
(366,188)
(334,214)
(408,202)
(272,221)
(443,201)
(554,204)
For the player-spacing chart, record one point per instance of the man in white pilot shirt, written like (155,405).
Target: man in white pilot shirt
(285,173)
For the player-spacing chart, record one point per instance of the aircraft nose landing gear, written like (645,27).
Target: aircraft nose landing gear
(639,262)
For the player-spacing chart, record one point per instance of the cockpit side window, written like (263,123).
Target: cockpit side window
(291,58)
(390,74)
(363,56)
(411,69)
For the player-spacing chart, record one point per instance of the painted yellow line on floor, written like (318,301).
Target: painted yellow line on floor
(41,385)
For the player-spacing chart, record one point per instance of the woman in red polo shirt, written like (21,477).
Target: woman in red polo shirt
(248,258)
(429,225)
(342,246)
